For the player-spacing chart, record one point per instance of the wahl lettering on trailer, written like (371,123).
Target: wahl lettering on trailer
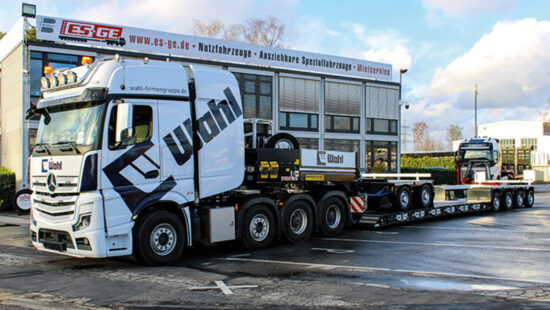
(210,124)
(335,159)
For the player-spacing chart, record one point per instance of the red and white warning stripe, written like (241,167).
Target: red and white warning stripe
(357,204)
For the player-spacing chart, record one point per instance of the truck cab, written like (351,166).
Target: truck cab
(118,137)
(478,155)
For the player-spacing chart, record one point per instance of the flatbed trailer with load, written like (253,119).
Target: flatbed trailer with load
(146,158)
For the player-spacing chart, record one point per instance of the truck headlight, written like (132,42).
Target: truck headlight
(83,222)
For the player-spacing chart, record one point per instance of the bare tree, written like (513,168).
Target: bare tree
(268,31)
(212,29)
(420,135)
(454,132)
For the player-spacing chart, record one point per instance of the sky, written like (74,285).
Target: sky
(446,45)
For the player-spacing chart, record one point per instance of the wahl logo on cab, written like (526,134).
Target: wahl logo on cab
(51,165)
(90,31)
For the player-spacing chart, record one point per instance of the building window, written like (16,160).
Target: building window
(256,93)
(298,121)
(507,143)
(342,145)
(381,126)
(342,107)
(381,155)
(308,143)
(529,143)
(546,129)
(298,104)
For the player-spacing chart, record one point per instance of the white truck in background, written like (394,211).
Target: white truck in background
(146,158)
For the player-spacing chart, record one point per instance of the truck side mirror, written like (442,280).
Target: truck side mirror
(124,130)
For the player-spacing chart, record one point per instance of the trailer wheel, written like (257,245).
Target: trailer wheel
(258,228)
(496,202)
(402,199)
(518,199)
(159,239)
(332,216)
(423,196)
(508,200)
(298,222)
(22,201)
(529,199)
(282,140)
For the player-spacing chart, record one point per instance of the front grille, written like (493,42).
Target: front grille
(55,240)
(55,213)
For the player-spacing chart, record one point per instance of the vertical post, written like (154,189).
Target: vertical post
(475,110)
(399,133)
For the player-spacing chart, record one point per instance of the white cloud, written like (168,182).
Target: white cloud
(468,7)
(511,66)
(386,46)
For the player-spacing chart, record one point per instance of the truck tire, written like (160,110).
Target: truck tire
(529,199)
(258,227)
(297,221)
(159,238)
(518,199)
(495,202)
(282,140)
(508,201)
(423,196)
(333,212)
(22,201)
(402,199)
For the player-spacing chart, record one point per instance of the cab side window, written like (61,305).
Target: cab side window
(142,126)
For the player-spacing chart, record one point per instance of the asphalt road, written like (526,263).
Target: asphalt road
(486,261)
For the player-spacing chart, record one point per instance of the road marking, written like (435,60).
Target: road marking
(387,233)
(475,229)
(377,269)
(226,289)
(335,251)
(441,244)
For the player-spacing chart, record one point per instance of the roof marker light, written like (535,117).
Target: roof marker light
(48,69)
(86,60)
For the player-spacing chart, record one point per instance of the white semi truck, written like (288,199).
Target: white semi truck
(146,158)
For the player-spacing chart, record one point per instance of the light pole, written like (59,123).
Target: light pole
(401,72)
(475,110)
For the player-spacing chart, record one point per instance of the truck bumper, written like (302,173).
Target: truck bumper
(83,235)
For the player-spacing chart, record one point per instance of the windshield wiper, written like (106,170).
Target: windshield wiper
(69,143)
(44,146)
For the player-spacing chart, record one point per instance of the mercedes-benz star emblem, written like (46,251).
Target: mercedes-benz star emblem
(51,182)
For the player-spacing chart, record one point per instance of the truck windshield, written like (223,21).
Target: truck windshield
(74,124)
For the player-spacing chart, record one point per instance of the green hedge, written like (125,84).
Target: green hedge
(411,162)
(7,188)
(440,176)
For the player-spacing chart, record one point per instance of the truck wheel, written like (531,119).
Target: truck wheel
(333,213)
(529,199)
(282,140)
(298,222)
(402,199)
(258,227)
(159,239)
(518,199)
(496,202)
(508,201)
(423,196)
(22,201)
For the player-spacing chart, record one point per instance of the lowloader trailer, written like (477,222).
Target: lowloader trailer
(147,158)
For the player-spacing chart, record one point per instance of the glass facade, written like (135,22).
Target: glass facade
(256,94)
(381,155)
(342,107)
(298,104)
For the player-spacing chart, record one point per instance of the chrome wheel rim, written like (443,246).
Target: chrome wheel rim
(298,221)
(404,198)
(333,216)
(259,227)
(509,201)
(163,239)
(283,144)
(425,196)
(496,203)
(530,198)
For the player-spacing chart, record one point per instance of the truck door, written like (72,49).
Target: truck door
(130,169)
